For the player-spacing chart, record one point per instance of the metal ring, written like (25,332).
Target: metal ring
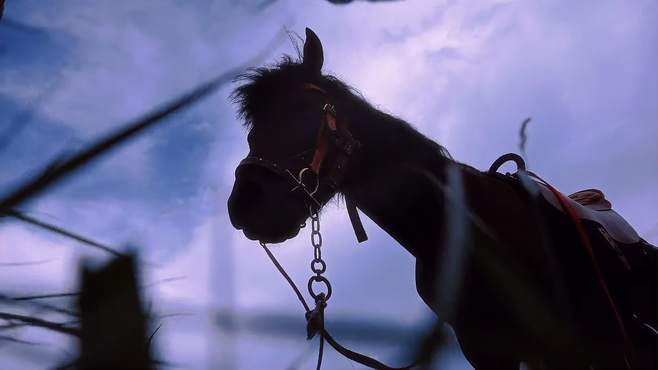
(300,180)
(520,163)
(323,266)
(319,279)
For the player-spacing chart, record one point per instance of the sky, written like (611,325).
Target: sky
(466,74)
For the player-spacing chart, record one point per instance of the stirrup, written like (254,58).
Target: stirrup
(520,163)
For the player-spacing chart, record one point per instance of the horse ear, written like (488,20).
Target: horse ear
(313,56)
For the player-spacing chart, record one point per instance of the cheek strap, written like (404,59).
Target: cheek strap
(336,133)
(355,220)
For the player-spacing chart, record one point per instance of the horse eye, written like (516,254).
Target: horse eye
(300,104)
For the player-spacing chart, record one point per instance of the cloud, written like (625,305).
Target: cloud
(21,244)
(464,74)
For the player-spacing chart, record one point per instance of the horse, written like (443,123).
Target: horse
(523,274)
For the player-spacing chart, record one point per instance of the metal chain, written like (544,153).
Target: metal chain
(318,266)
(315,317)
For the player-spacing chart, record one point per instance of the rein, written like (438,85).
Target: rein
(315,317)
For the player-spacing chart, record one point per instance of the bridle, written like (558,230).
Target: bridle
(336,141)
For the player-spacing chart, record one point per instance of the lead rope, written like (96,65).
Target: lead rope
(315,317)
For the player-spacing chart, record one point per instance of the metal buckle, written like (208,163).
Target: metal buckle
(329,108)
(300,185)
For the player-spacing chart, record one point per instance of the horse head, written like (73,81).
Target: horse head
(298,146)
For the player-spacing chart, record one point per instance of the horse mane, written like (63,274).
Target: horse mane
(262,89)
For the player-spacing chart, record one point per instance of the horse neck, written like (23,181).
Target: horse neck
(392,179)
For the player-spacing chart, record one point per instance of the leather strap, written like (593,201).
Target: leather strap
(360,358)
(587,245)
(357,225)
(354,356)
(338,131)
(321,146)
(584,239)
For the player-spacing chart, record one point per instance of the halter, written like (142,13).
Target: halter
(333,138)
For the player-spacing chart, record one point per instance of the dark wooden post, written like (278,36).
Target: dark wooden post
(113,324)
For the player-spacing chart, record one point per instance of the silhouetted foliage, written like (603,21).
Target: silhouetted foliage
(113,324)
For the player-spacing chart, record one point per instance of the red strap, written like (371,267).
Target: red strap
(328,124)
(322,142)
(331,124)
(571,212)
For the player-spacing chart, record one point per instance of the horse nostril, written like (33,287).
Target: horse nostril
(246,195)
(252,189)
(250,194)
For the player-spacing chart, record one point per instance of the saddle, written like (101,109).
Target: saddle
(591,205)
(639,257)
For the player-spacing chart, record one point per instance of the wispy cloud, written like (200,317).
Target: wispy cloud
(465,74)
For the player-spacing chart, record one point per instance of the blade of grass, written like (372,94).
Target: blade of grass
(25,263)
(43,296)
(58,230)
(150,339)
(37,305)
(33,321)
(64,168)
(84,157)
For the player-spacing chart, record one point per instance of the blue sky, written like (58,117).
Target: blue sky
(465,74)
